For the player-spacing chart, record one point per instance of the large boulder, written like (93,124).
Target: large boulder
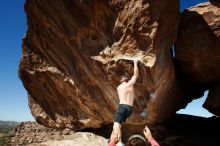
(198,52)
(75,51)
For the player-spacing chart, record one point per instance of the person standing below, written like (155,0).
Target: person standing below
(126,97)
(138,140)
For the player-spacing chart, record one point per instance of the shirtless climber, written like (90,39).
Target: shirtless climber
(126,98)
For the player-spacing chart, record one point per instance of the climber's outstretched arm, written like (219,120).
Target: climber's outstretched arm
(135,75)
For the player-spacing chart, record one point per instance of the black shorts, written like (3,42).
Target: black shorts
(123,112)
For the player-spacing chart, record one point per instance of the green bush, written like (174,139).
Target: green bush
(5,140)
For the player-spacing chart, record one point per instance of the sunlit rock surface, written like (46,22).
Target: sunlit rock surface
(73,57)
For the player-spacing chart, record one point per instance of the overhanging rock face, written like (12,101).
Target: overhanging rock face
(198,51)
(73,57)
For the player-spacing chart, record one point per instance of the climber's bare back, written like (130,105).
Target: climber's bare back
(126,93)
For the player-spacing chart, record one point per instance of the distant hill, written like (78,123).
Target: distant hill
(5,128)
(8,124)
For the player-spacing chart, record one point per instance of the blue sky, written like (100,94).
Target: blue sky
(188,3)
(13,97)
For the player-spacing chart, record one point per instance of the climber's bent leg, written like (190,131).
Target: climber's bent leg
(123,112)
